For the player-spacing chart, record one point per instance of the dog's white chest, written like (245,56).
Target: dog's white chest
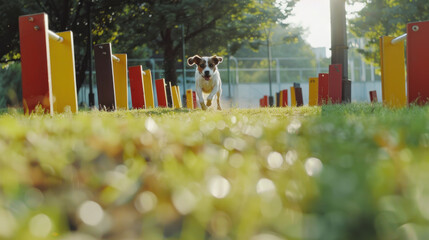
(207,86)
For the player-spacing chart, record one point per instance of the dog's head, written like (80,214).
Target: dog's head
(207,66)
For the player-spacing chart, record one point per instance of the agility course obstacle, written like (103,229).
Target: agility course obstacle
(148,89)
(194,98)
(47,66)
(161,93)
(121,81)
(313,84)
(323,91)
(418,62)
(298,95)
(283,98)
(392,72)
(335,83)
(373,96)
(137,87)
(177,103)
(392,61)
(189,99)
(105,77)
(292,97)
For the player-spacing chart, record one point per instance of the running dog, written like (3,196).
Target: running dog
(207,79)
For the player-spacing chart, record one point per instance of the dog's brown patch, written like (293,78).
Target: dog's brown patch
(201,65)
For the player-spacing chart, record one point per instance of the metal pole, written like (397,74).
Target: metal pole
(339,44)
(278,74)
(184,63)
(271,99)
(228,64)
(55,36)
(115,58)
(91,98)
(399,39)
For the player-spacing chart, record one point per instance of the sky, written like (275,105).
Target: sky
(314,16)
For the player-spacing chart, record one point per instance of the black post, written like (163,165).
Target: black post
(339,45)
(184,64)
(91,98)
(270,98)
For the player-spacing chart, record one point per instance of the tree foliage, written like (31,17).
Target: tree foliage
(210,27)
(385,18)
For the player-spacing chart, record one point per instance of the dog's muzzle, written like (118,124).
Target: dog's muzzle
(206,75)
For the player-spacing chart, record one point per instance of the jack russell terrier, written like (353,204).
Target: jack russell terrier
(207,79)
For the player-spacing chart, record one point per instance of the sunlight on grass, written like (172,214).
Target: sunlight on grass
(353,171)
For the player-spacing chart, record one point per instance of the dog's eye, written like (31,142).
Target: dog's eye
(211,65)
(202,65)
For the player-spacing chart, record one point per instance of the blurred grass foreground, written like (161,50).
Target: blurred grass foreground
(354,171)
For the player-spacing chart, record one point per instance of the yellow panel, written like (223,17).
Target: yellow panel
(148,89)
(63,73)
(178,95)
(392,73)
(121,81)
(189,99)
(292,97)
(175,97)
(281,99)
(313,91)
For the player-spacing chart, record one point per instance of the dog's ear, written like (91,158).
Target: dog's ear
(217,60)
(194,60)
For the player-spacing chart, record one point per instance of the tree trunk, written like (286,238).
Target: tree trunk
(170,63)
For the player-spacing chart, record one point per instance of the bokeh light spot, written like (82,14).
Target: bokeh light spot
(91,213)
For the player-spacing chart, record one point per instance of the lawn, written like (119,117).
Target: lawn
(356,171)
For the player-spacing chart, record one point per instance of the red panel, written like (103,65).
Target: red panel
(265,101)
(136,85)
(160,92)
(335,83)
(261,102)
(298,96)
(194,96)
(323,88)
(284,104)
(373,96)
(418,62)
(35,68)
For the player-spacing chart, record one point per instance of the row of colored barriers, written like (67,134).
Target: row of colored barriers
(49,79)
(324,89)
(402,85)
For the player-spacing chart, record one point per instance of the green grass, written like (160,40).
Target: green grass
(356,171)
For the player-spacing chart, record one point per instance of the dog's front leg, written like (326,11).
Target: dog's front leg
(211,95)
(200,97)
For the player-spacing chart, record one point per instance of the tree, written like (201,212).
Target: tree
(63,16)
(210,26)
(385,18)
(286,42)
